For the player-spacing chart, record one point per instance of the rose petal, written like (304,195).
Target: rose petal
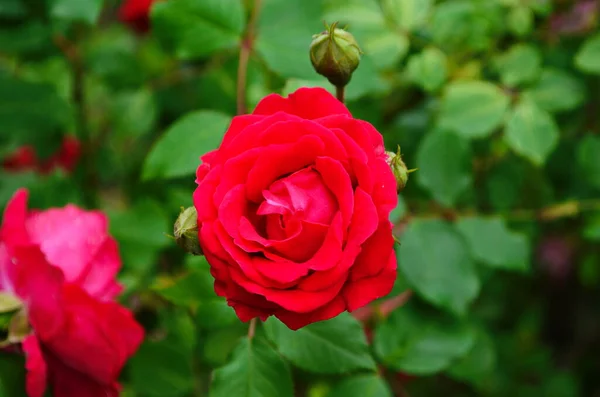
(69,382)
(289,299)
(364,219)
(385,194)
(375,253)
(104,330)
(100,278)
(13,230)
(37,372)
(296,321)
(39,284)
(278,160)
(308,103)
(337,180)
(360,292)
(238,124)
(203,195)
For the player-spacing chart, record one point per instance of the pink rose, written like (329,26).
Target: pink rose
(77,242)
(293,211)
(79,340)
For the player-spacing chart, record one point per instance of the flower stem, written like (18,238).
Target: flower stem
(245,52)
(340,91)
(78,96)
(252,328)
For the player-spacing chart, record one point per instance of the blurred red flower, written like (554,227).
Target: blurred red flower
(25,158)
(135,13)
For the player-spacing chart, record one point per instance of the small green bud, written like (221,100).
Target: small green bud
(399,169)
(186,231)
(335,54)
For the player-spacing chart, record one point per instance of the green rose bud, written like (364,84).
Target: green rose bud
(335,54)
(399,169)
(186,231)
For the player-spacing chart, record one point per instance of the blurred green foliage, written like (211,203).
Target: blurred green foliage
(496,102)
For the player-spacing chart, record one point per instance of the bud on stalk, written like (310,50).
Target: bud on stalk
(399,169)
(335,54)
(186,231)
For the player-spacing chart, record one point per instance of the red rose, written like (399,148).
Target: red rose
(135,13)
(79,342)
(293,211)
(25,158)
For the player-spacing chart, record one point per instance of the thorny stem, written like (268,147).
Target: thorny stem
(78,97)
(340,91)
(245,51)
(252,328)
(566,209)
(389,305)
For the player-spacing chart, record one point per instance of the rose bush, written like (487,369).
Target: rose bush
(293,211)
(61,264)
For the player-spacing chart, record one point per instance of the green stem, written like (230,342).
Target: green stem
(252,328)
(88,180)
(340,91)
(245,52)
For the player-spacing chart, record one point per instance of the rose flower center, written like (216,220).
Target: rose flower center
(296,213)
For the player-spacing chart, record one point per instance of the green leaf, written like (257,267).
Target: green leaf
(407,14)
(444,166)
(30,108)
(196,290)
(285,29)
(473,109)
(175,379)
(334,346)
(588,159)
(134,113)
(588,56)
(428,69)
(195,29)
(12,9)
(12,375)
(531,132)
(219,343)
(435,260)
(255,370)
(463,25)
(520,20)
(400,210)
(187,290)
(520,64)
(557,90)
(76,10)
(419,344)
(361,386)
(478,364)
(492,243)
(33,37)
(591,231)
(177,153)
(140,231)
